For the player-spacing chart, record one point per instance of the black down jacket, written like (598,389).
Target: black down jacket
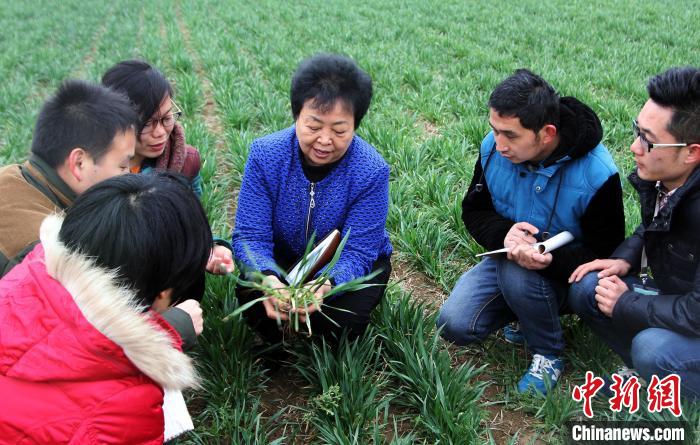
(672,242)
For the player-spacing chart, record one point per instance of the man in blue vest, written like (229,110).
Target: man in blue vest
(542,170)
(644,301)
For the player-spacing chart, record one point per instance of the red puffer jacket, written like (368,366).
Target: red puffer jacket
(80,362)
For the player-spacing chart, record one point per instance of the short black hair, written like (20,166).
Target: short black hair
(151,229)
(80,114)
(326,78)
(528,97)
(143,84)
(679,89)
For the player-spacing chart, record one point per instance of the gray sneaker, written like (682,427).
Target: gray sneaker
(626,374)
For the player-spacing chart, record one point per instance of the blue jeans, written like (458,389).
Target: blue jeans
(582,302)
(498,291)
(652,351)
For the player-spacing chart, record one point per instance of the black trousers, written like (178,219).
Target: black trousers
(359,304)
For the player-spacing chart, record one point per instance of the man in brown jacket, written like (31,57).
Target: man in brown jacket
(84,134)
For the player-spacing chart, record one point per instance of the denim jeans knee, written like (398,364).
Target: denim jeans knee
(615,333)
(475,307)
(582,296)
(660,352)
(645,351)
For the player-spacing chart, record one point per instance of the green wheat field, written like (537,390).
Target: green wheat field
(433,65)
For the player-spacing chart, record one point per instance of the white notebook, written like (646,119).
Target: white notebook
(177,418)
(297,273)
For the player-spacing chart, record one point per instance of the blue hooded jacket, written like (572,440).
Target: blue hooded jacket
(577,189)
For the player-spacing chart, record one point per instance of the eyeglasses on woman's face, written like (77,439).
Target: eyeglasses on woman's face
(167,121)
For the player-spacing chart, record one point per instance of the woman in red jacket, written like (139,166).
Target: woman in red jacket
(84,355)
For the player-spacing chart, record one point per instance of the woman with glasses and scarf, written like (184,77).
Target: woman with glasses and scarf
(160,142)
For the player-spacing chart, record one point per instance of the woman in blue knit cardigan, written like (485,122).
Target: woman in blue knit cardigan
(313,177)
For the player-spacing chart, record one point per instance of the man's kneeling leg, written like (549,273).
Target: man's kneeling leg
(475,307)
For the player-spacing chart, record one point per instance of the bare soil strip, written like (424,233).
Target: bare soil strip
(210,114)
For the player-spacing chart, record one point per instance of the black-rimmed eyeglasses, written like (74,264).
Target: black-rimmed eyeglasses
(166,121)
(648,146)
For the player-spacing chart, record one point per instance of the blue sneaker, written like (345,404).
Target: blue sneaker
(513,334)
(543,374)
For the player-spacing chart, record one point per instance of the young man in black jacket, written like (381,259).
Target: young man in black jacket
(654,323)
(541,171)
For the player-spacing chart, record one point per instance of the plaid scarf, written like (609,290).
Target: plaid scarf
(175,153)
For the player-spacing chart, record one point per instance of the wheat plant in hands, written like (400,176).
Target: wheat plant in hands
(297,296)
